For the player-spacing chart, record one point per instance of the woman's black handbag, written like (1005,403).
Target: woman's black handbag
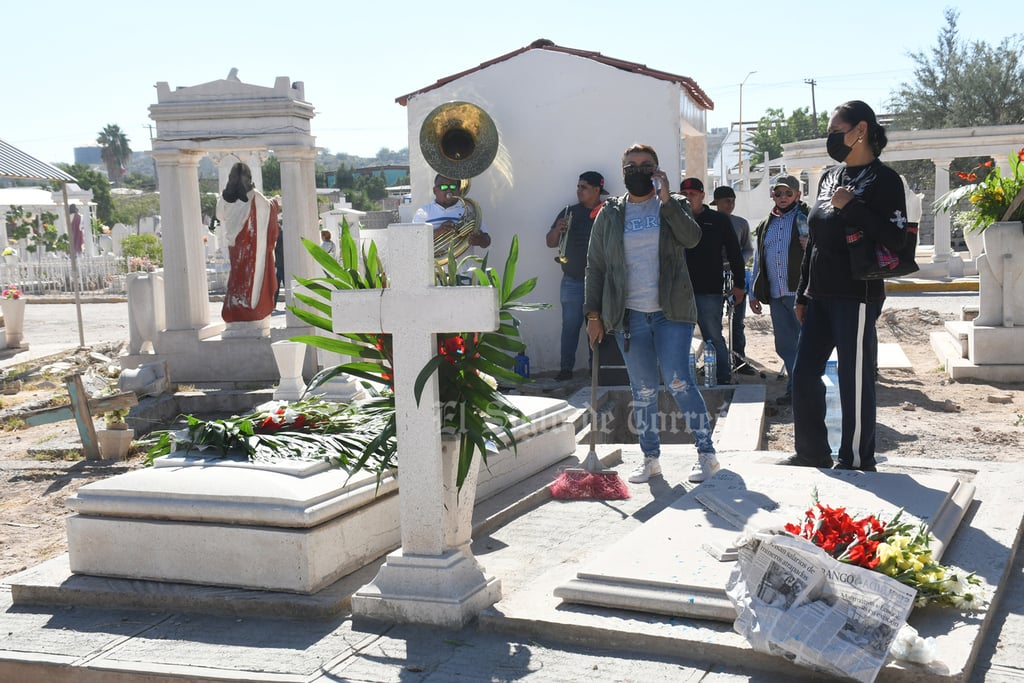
(871,261)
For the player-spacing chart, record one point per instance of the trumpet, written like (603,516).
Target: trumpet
(564,237)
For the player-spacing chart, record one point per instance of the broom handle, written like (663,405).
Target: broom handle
(595,364)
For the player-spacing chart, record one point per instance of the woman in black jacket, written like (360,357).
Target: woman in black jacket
(861,198)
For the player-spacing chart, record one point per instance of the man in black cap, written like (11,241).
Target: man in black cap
(781,239)
(574,223)
(704,262)
(725,202)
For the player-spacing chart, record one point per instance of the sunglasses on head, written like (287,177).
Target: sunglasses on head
(448,188)
(783,193)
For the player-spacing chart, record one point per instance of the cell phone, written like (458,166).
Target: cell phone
(657,183)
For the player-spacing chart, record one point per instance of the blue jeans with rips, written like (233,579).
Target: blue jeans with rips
(571,296)
(709,318)
(657,341)
(786,330)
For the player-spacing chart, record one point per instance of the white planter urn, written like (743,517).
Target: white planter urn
(114,443)
(458,504)
(14,320)
(975,242)
(1001,276)
(289,357)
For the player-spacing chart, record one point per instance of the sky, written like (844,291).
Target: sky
(70,69)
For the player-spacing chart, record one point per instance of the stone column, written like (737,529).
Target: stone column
(942,218)
(813,181)
(186,292)
(298,200)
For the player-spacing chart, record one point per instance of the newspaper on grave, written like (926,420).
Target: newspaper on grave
(797,602)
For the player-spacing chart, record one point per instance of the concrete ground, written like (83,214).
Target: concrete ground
(520,537)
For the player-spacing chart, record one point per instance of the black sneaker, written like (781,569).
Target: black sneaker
(798,461)
(745,370)
(844,466)
(564,375)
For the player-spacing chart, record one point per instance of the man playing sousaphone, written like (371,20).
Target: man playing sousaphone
(446,211)
(570,234)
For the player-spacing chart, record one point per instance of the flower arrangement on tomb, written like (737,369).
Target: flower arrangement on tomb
(469,364)
(993,196)
(897,549)
(309,429)
(11,292)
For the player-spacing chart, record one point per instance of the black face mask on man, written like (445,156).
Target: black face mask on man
(836,146)
(638,181)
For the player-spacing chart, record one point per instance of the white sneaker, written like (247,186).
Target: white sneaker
(650,468)
(706,465)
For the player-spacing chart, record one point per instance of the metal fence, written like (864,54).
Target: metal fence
(99,275)
(52,276)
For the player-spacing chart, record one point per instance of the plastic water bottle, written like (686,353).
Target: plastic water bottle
(693,366)
(833,406)
(522,366)
(710,364)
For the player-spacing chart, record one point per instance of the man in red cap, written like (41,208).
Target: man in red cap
(705,264)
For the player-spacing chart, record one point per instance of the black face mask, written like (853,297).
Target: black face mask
(836,147)
(638,182)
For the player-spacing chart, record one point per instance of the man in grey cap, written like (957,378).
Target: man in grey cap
(780,239)
(571,230)
(725,202)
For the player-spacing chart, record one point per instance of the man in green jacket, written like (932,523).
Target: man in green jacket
(638,287)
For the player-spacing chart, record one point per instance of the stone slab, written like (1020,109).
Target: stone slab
(986,543)
(285,526)
(689,577)
(953,349)
(740,425)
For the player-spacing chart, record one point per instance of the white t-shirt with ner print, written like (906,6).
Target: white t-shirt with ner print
(641,235)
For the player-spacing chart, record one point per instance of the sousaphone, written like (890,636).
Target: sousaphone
(459,140)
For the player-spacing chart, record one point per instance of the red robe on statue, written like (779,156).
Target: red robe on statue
(251,230)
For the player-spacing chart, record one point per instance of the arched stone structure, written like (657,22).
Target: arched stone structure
(227,120)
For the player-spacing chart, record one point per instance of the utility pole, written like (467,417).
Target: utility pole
(814,109)
(156,175)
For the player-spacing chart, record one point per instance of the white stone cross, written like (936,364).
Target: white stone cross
(414,310)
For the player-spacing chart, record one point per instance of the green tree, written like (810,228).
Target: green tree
(208,205)
(345,178)
(374,187)
(131,209)
(143,246)
(963,83)
(271,175)
(88,179)
(114,150)
(140,181)
(774,129)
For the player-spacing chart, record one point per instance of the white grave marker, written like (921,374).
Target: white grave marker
(428,580)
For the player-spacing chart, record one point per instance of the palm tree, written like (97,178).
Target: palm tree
(114,151)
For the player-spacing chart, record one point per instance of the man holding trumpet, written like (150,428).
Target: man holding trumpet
(570,234)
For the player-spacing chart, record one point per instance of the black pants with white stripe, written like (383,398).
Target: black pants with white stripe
(848,327)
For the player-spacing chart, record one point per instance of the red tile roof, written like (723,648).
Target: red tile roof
(687,83)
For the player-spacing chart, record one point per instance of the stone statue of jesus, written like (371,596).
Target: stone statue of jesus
(249,222)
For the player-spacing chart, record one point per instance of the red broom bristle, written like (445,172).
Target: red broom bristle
(581,485)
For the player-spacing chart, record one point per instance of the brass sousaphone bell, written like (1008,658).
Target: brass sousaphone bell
(459,140)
